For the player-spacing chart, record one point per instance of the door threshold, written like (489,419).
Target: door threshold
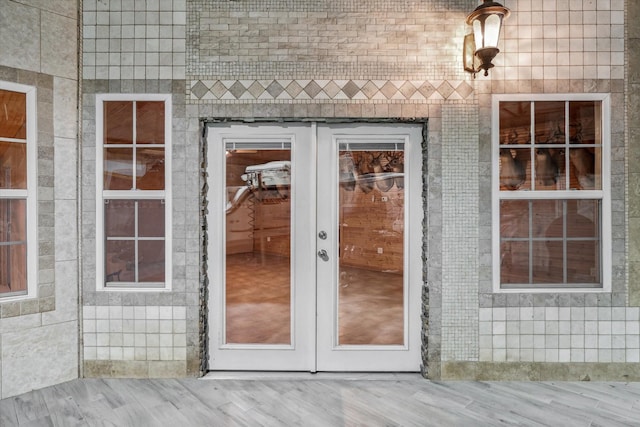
(277,375)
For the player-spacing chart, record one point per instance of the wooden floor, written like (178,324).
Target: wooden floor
(323,400)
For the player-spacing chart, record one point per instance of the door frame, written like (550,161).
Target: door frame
(210,307)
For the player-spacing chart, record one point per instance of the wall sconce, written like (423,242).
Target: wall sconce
(481,46)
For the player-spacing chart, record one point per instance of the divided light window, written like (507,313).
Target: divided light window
(18,240)
(551,196)
(133,181)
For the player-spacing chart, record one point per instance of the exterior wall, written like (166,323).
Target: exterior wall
(395,78)
(39,336)
(564,47)
(372,59)
(139,47)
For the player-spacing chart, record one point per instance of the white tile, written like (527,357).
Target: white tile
(485,355)
(632,355)
(604,356)
(591,355)
(564,355)
(577,355)
(618,356)
(618,327)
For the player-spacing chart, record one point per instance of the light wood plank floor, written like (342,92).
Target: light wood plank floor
(323,400)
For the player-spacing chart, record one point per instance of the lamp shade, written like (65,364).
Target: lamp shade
(486,21)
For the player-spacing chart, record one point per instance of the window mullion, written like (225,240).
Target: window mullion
(564,242)
(530,204)
(134,159)
(135,242)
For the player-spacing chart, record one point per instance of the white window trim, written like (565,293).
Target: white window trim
(102,194)
(30,193)
(604,195)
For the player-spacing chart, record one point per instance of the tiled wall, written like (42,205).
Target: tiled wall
(560,334)
(133,39)
(553,47)
(39,336)
(374,59)
(164,340)
(459,233)
(157,333)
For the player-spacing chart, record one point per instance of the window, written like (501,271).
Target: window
(18,224)
(133,165)
(551,198)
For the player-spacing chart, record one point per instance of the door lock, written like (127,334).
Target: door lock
(323,255)
(322,235)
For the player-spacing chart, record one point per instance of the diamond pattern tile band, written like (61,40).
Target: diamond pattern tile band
(280,89)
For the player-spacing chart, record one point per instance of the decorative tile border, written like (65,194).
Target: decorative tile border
(336,90)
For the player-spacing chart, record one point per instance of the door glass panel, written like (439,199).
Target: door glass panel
(371,244)
(258,245)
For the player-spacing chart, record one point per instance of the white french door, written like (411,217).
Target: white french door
(314,247)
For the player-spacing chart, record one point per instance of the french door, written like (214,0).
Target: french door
(314,246)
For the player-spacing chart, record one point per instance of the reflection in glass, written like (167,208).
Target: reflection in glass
(119,218)
(118,122)
(371,247)
(150,122)
(150,168)
(150,261)
(151,213)
(14,111)
(118,169)
(13,165)
(514,262)
(13,246)
(549,122)
(584,169)
(514,173)
(258,247)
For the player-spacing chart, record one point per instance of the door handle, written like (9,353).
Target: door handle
(323,255)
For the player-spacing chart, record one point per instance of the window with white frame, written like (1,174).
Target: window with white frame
(133,182)
(18,219)
(551,192)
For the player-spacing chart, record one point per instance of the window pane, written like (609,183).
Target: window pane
(150,122)
(515,170)
(548,261)
(150,218)
(549,168)
(585,171)
(120,260)
(514,262)
(583,264)
(13,268)
(583,218)
(514,218)
(13,246)
(584,122)
(13,165)
(547,218)
(258,247)
(371,247)
(151,261)
(119,218)
(515,122)
(118,122)
(14,111)
(549,122)
(118,169)
(150,168)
